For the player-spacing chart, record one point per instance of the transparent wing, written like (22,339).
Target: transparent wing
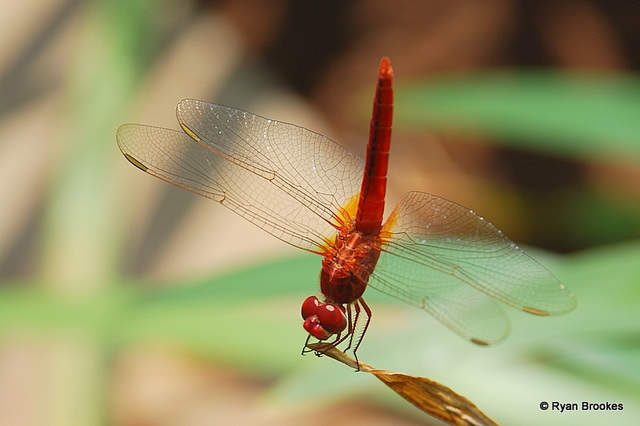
(444,258)
(285,179)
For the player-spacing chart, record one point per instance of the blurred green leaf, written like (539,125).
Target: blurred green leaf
(572,114)
(250,319)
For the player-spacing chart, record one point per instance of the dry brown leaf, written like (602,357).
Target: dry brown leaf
(431,397)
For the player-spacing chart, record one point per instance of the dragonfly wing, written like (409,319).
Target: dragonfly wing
(471,314)
(440,251)
(309,167)
(178,159)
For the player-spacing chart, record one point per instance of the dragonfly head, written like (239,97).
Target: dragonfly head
(322,320)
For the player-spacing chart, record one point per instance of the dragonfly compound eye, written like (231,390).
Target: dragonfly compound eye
(313,327)
(332,318)
(310,306)
(322,320)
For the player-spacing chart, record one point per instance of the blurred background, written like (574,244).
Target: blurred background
(126,301)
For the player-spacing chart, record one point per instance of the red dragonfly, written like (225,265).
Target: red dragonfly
(314,194)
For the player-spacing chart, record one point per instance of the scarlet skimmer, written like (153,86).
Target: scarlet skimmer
(314,194)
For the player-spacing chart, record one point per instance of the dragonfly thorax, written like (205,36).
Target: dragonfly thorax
(347,265)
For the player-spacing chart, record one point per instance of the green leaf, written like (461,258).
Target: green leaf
(572,114)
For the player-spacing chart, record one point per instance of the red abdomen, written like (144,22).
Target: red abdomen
(374,182)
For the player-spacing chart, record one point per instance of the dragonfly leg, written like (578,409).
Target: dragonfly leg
(305,348)
(355,338)
(353,322)
(367,313)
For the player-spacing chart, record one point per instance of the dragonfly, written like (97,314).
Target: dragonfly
(312,193)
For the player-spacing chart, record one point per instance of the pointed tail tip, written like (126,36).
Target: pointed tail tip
(385,67)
